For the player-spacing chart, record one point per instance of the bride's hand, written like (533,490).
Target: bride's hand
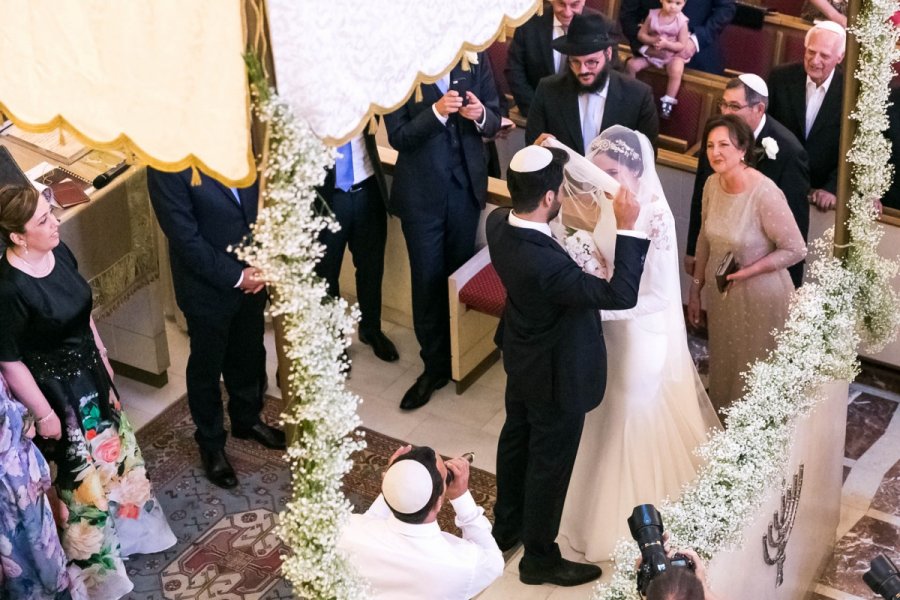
(626,208)
(694,308)
(543,138)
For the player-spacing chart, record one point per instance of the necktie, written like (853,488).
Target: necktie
(588,125)
(343,168)
(236,195)
(443,83)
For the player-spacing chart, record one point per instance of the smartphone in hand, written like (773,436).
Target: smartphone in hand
(461,85)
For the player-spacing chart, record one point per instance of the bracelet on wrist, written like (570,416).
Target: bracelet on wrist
(44,419)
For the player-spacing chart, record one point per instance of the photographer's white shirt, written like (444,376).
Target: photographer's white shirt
(412,562)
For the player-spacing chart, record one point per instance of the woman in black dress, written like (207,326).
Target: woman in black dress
(56,365)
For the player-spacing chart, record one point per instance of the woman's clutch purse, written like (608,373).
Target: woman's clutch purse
(726,268)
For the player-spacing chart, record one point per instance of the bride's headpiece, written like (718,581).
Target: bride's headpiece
(617,146)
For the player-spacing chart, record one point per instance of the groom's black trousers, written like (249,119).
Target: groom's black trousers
(535,456)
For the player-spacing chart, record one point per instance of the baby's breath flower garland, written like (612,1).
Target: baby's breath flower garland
(285,247)
(842,305)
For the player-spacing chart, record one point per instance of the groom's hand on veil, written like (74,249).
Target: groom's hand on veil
(543,138)
(626,208)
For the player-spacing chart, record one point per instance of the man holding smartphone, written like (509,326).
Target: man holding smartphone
(439,190)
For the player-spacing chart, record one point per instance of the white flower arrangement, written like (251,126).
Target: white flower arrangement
(844,304)
(770,146)
(285,246)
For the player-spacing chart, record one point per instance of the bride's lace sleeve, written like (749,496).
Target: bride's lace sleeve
(654,293)
(581,247)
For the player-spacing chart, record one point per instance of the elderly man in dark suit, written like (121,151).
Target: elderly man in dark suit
(575,106)
(708,18)
(782,159)
(439,189)
(807,98)
(355,192)
(531,58)
(554,357)
(223,300)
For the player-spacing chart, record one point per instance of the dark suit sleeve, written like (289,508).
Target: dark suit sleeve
(720,15)
(516,77)
(488,97)
(407,133)
(537,118)
(703,173)
(170,196)
(570,286)
(631,13)
(648,121)
(795,185)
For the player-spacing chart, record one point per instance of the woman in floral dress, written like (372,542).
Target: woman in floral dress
(32,564)
(55,364)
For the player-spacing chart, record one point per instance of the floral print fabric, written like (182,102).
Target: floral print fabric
(111,510)
(32,564)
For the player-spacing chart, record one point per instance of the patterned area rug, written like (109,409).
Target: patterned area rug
(226,545)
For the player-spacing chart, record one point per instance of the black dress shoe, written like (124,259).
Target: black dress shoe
(266,435)
(561,572)
(218,470)
(381,345)
(420,393)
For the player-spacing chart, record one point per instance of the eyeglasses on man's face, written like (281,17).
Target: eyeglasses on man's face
(591,63)
(731,106)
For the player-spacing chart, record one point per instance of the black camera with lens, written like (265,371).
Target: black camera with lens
(883,578)
(646,528)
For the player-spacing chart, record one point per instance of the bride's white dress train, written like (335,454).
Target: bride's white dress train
(637,447)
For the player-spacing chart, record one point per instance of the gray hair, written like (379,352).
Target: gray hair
(753,97)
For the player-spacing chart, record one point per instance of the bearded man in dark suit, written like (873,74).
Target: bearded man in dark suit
(531,58)
(575,106)
(554,357)
(782,159)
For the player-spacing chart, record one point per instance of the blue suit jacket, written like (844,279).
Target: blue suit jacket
(424,144)
(200,223)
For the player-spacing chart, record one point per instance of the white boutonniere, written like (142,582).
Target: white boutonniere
(770,146)
(471,57)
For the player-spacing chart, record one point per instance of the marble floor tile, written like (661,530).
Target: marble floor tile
(823,592)
(852,553)
(887,498)
(385,416)
(477,407)
(508,587)
(453,439)
(868,416)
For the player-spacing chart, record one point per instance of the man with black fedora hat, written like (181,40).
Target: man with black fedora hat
(576,105)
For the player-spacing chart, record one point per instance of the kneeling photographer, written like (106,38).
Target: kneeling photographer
(663,573)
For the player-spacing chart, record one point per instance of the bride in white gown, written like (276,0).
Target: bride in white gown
(637,446)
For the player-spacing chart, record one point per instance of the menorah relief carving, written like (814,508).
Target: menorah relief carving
(779,531)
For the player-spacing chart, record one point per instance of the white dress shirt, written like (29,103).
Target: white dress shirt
(558,31)
(815,95)
(759,128)
(362,164)
(415,562)
(599,108)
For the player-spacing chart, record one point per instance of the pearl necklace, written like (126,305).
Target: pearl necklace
(40,269)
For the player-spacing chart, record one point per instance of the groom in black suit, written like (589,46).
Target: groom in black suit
(554,357)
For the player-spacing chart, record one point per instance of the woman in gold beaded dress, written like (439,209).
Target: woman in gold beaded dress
(746,214)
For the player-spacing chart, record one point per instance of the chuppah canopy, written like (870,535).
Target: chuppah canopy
(338,64)
(164,79)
